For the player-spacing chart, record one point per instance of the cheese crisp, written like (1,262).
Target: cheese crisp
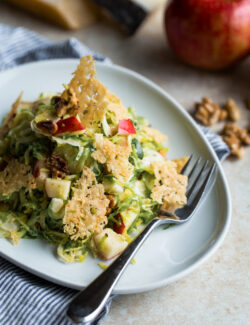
(16,176)
(83,172)
(85,213)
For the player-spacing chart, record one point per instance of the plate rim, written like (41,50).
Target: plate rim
(228,204)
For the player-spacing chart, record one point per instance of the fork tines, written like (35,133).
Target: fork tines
(199,178)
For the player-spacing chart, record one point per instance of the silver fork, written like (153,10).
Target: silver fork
(88,304)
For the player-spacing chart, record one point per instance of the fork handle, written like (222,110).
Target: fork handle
(88,304)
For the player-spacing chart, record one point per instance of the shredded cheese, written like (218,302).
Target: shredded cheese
(103,266)
(133,261)
(85,213)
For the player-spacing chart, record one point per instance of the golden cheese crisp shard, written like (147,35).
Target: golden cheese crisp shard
(155,135)
(169,187)
(94,98)
(15,176)
(115,156)
(85,213)
(180,163)
(10,117)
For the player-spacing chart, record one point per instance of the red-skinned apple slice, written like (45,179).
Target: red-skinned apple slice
(69,125)
(126,127)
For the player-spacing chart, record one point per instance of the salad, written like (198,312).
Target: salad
(83,172)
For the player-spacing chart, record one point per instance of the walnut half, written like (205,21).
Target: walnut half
(232,110)
(235,138)
(48,127)
(209,113)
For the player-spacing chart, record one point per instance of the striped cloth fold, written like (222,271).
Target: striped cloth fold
(24,298)
(19,45)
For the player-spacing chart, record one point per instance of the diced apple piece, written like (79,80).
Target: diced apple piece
(109,244)
(56,205)
(112,187)
(43,175)
(57,188)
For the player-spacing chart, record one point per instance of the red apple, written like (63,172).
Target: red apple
(210,34)
(70,124)
(120,226)
(126,127)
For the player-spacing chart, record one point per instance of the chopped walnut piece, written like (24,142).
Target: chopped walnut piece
(223,115)
(49,127)
(209,113)
(236,138)
(242,134)
(57,173)
(244,137)
(59,166)
(112,200)
(66,103)
(235,146)
(112,203)
(230,128)
(232,110)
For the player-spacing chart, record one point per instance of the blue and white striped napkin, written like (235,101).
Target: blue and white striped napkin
(24,298)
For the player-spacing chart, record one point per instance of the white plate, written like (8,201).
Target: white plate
(167,255)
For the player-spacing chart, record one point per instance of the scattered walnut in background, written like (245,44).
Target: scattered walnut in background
(236,138)
(209,113)
(233,111)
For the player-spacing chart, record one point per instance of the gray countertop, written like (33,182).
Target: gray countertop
(219,291)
